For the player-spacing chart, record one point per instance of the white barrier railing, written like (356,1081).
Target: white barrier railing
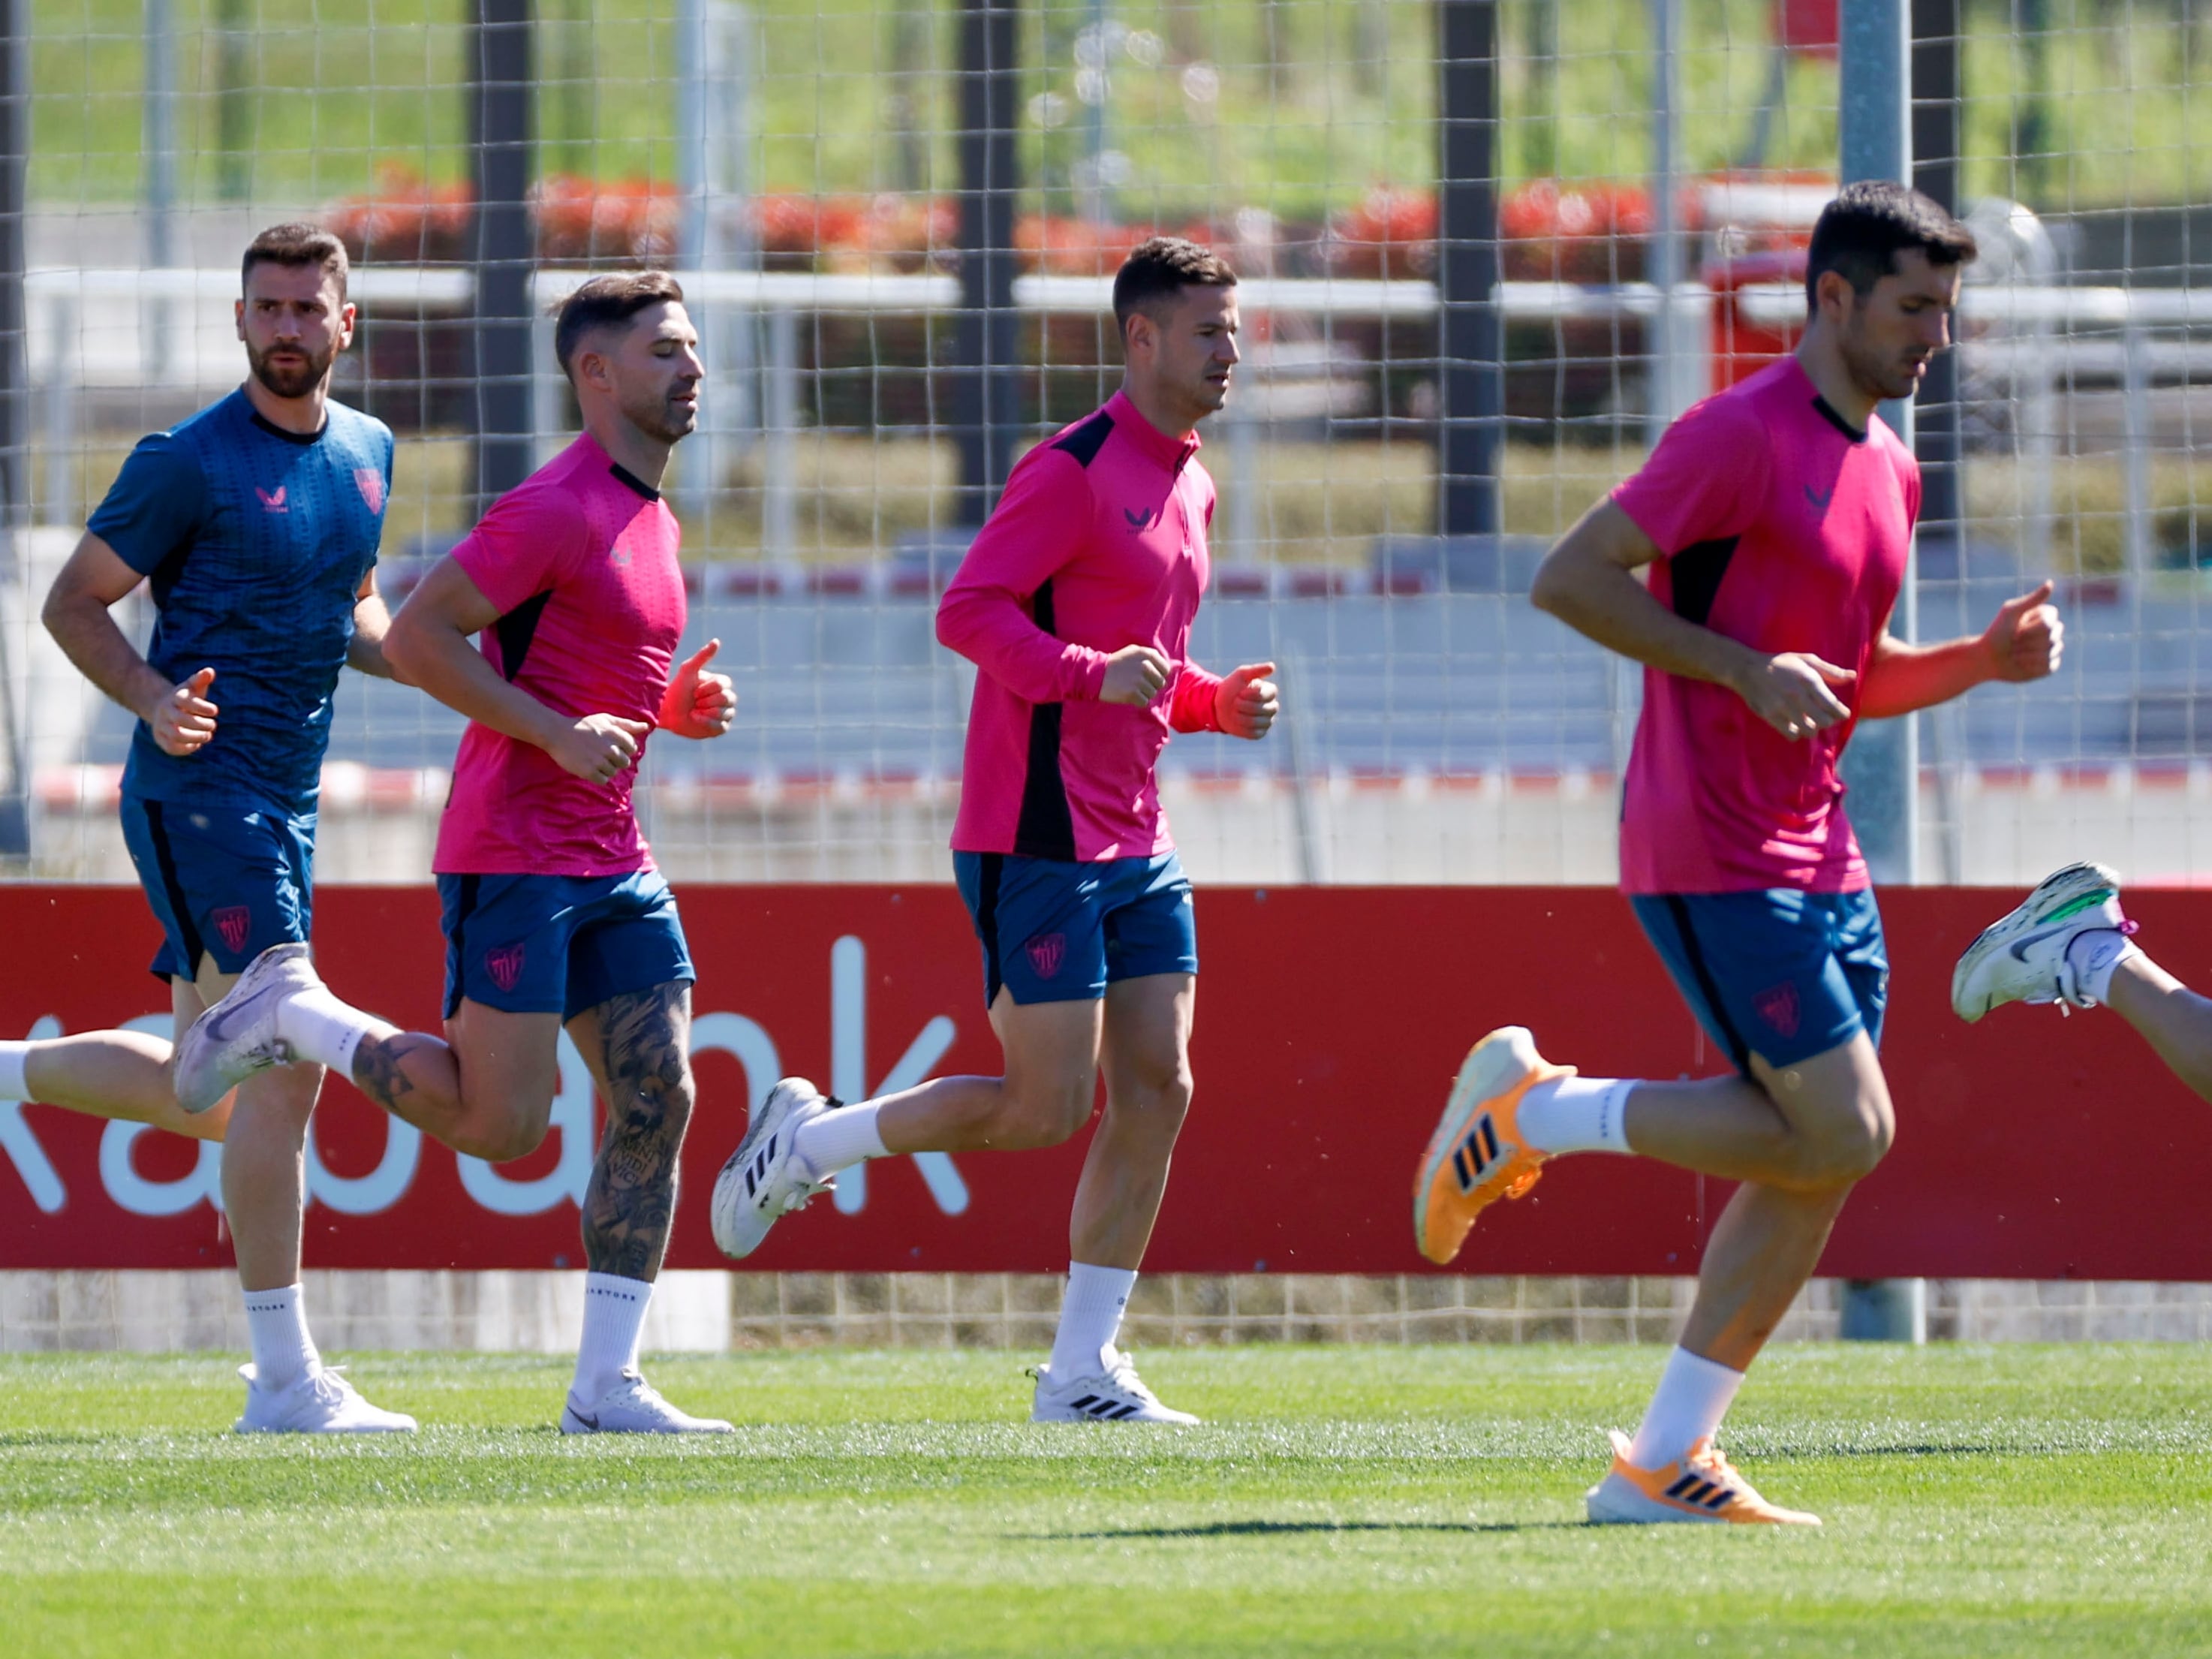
(62,346)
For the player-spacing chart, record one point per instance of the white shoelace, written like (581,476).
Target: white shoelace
(1122,1374)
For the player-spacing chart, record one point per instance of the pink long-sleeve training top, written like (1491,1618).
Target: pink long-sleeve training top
(1098,543)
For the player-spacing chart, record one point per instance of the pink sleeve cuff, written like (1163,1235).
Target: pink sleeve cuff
(1196,705)
(1084,673)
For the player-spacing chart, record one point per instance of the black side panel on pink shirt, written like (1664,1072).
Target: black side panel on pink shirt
(1045,828)
(1696,572)
(1087,439)
(516,629)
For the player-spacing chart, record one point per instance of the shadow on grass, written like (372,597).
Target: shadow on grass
(1281,1528)
(1885,1449)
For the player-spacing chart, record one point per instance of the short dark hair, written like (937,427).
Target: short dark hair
(607,300)
(1160,269)
(1869,223)
(295,246)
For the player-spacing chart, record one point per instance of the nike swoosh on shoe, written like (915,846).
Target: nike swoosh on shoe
(2020,946)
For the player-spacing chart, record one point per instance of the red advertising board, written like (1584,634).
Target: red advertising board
(1330,1021)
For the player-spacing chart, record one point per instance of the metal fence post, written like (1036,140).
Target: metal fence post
(1883,764)
(502,249)
(15,400)
(1470,338)
(987,376)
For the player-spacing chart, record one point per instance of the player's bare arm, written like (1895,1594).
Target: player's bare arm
(2024,641)
(77,613)
(1589,582)
(431,645)
(371,623)
(699,702)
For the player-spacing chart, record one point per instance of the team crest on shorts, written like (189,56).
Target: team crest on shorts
(504,964)
(370,483)
(1047,951)
(233,922)
(1778,1008)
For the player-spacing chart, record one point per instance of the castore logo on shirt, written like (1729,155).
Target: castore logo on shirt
(272,499)
(1140,522)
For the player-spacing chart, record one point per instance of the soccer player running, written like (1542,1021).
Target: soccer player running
(554,913)
(1075,602)
(255,524)
(1775,520)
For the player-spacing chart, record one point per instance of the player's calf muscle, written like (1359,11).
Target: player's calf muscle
(632,1195)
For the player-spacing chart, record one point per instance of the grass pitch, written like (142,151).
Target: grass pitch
(1339,1501)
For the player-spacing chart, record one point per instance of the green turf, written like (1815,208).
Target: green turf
(1339,1501)
(1300,126)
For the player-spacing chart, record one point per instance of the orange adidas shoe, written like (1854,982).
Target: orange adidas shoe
(1476,1156)
(1704,1486)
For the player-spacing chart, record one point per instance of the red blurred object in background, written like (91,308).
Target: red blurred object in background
(1390,234)
(1807,27)
(1588,233)
(585,220)
(1742,347)
(405,219)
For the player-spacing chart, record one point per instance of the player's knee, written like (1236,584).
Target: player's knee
(1042,1115)
(1844,1153)
(501,1139)
(666,1111)
(1163,1096)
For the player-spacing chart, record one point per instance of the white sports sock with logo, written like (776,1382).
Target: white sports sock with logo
(1090,1319)
(614,1318)
(839,1138)
(315,1025)
(276,1327)
(1694,1395)
(1577,1114)
(2092,956)
(12,1057)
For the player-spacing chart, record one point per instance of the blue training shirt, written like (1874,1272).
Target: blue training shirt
(255,540)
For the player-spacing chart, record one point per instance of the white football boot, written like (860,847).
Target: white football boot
(2022,956)
(634,1406)
(320,1402)
(764,1179)
(238,1037)
(1116,1395)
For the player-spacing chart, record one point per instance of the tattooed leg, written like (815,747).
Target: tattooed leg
(639,1048)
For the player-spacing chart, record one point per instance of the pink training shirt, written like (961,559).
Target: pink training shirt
(1098,543)
(1785,528)
(581,559)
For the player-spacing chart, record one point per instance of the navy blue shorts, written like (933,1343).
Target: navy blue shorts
(545,945)
(1055,930)
(224,879)
(1782,974)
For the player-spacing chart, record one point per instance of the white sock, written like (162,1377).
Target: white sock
(1577,1114)
(1090,1319)
(614,1316)
(2092,956)
(838,1139)
(276,1326)
(319,1027)
(12,1086)
(1693,1397)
